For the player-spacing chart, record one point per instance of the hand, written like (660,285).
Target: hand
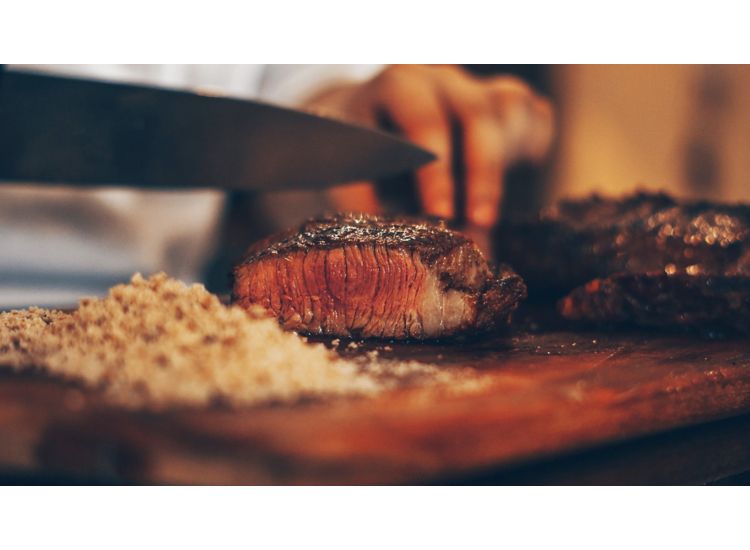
(500,120)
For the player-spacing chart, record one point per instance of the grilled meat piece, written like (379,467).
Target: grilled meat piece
(654,261)
(366,276)
(713,302)
(577,241)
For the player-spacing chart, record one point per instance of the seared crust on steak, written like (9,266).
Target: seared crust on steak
(430,239)
(578,240)
(713,302)
(367,276)
(649,260)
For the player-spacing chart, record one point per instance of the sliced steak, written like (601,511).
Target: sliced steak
(659,300)
(365,276)
(576,241)
(646,259)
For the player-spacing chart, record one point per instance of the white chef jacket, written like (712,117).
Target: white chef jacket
(60,243)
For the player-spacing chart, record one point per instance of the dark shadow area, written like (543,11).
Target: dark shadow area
(713,453)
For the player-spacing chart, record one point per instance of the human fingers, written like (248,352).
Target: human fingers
(411,102)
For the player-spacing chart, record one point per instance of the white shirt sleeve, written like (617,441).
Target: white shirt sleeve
(293,84)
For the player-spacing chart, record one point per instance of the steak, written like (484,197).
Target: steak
(577,241)
(708,302)
(366,276)
(646,259)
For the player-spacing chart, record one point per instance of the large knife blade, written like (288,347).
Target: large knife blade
(89,133)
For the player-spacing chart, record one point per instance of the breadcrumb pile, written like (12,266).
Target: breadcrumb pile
(157,342)
(21,333)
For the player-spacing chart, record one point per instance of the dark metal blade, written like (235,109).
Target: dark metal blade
(79,132)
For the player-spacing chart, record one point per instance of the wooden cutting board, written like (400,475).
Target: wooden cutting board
(545,394)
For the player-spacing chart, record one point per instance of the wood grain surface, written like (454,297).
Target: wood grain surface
(546,395)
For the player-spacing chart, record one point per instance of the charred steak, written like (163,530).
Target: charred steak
(576,241)
(649,260)
(365,276)
(711,303)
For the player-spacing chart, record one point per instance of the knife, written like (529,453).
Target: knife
(88,133)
